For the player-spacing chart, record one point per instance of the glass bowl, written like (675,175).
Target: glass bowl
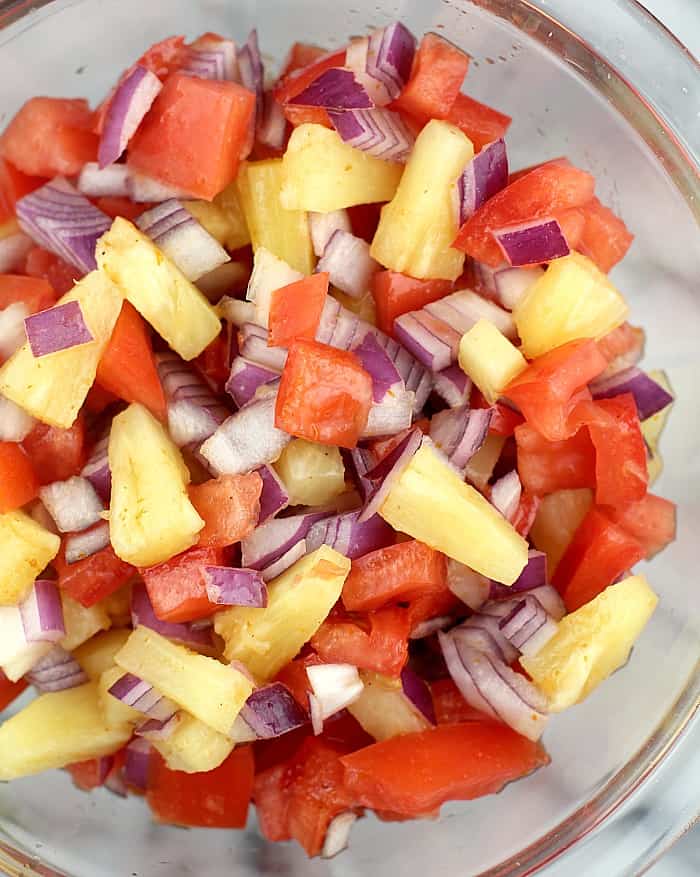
(606,85)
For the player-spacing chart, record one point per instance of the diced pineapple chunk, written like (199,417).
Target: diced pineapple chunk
(573,299)
(313,474)
(55,730)
(151,516)
(25,549)
(298,602)
(269,273)
(480,468)
(194,747)
(591,643)
(97,654)
(116,713)
(283,232)
(53,388)
(209,690)
(364,307)
(489,359)
(383,710)
(230,202)
(321,173)
(652,428)
(417,228)
(158,290)
(556,521)
(430,502)
(81,623)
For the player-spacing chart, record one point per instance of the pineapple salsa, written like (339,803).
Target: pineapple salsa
(324,452)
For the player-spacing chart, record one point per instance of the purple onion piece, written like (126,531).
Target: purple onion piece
(484,176)
(41,613)
(272,711)
(96,470)
(245,379)
(142,696)
(335,89)
(57,328)
(269,541)
(130,102)
(227,586)
(530,243)
(534,575)
(377,362)
(158,729)
(378,132)
(649,396)
(78,546)
(56,671)
(432,341)
(322,226)
(462,309)
(505,494)
(251,73)
(289,558)
(349,265)
(185,634)
(417,691)
(252,344)
(73,504)
(511,284)
(107,182)
(460,432)
(212,59)
(390,57)
(453,386)
(274,496)
(272,130)
(137,763)
(349,535)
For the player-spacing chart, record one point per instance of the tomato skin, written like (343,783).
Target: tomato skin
(544,391)
(415,773)
(229,506)
(545,466)
(36,293)
(599,552)
(18,483)
(544,190)
(438,72)
(450,706)
(61,275)
(396,294)
(481,123)
(295,310)
(651,521)
(56,453)
(605,237)
(193,134)
(176,588)
(128,368)
(218,798)
(9,691)
(92,579)
(324,395)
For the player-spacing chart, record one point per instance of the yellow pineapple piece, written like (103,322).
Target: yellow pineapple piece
(298,602)
(230,202)
(653,426)
(115,712)
(209,690)
(489,359)
(556,521)
(151,516)
(383,710)
(591,643)
(430,502)
(364,307)
(313,474)
(321,173)
(55,730)
(25,549)
(480,468)
(158,290)
(283,232)
(81,624)
(269,273)
(194,747)
(227,226)
(53,388)
(417,228)
(573,299)
(97,654)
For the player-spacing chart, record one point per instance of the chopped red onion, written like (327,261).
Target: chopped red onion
(415,377)
(485,275)
(17,655)
(57,328)
(528,626)
(469,586)
(252,344)
(382,62)
(505,494)
(12,333)
(335,686)
(78,546)
(157,729)
(15,423)
(349,535)
(460,432)
(462,309)
(484,176)
(183,239)
(534,575)
(246,440)
(338,834)
(146,190)
(453,386)
(142,696)
(63,221)
(551,600)
(235,311)
(116,784)
(417,691)
(269,541)
(57,671)
(13,249)
(290,557)
(393,414)
(334,89)
(322,226)
(212,59)
(130,102)
(41,613)
(137,763)
(96,470)
(272,130)
(470,633)
(73,504)
(110,182)
(432,341)
(529,243)
(387,471)
(252,73)
(649,396)
(349,265)
(377,362)
(362,461)
(511,284)
(274,496)
(245,379)
(227,586)
(316,714)
(427,628)
(272,711)
(377,131)
(185,634)
(269,273)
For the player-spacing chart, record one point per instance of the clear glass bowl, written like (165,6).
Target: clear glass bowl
(605,84)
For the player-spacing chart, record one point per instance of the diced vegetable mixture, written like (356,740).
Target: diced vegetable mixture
(325,452)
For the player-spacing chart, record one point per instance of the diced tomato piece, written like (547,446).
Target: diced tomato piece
(438,72)
(125,207)
(14,185)
(598,554)
(296,81)
(297,115)
(324,395)
(416,772)
(18,483)
(396,294)
(193,134)
(9,691)
(56,453)
(300,56)
(527,511)
(503,420)
(561,161)
(34,292)
(431,605)
(294,676)
(652,521)
(127,367)
(218,798)
(544,391)
(625,344)
(605,237)
(89,775)
(271,793)
(214,362)
(176,588)
(166,56)
(343,729)
(229,506)
(276,750)
(364,219)
(620,451)
(384,649)
(481,123)
(94,578)
(546,466)
(450,706)
(572,222)
(295,310)
(399,572)
(61,275)
(98,399)
(50,136)
(543,191)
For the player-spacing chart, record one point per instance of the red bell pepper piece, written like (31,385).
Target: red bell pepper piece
(439,68)
(651,521)
(545,466)
(56,453)
(177,589)
(396,294)
(229,506)
(94,578)
(18,483)
(295,310)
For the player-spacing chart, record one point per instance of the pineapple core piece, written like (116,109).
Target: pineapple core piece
(194,747)
(25,549)
(489,359)
(591,643)
(151,516)
(313,474)
(430,502)
(298,602)
(158,290)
